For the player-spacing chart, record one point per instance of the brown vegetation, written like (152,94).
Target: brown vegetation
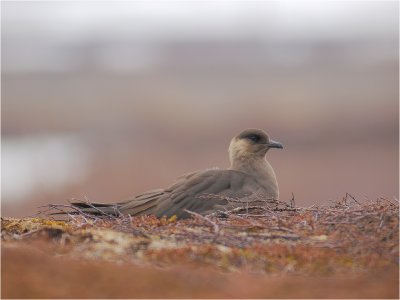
(346,250)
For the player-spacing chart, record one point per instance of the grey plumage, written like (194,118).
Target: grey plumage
(206,191)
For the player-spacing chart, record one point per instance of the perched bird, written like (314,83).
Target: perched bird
(204,192)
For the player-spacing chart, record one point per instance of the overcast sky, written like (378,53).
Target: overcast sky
(39,34)
(165,19)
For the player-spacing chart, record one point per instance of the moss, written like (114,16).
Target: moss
(285,243)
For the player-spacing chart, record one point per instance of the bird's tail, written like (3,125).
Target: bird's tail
(96,209)
(139,205)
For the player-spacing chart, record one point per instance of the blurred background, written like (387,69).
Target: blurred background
(104,100)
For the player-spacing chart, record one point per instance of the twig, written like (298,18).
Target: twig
(215,226)
(352,197)
(292,202)
(99,210)
(394,204)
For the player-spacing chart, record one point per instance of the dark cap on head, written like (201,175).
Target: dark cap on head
(258,136)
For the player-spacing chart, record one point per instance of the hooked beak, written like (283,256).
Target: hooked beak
(274,144)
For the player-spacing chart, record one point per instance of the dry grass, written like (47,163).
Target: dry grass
(347,240)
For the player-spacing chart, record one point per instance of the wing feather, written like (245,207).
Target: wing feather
(201,192)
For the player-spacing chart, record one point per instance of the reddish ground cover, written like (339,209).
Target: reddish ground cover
(347,250)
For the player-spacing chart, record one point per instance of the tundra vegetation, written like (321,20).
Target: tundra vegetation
(345,249)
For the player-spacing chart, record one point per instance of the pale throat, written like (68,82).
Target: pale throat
(243,160)
(256,166)
(260,170)
(251,165)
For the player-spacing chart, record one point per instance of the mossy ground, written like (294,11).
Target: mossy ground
(344,242)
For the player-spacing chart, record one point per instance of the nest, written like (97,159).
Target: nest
(345,236)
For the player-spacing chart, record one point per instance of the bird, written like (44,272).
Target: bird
(206,191)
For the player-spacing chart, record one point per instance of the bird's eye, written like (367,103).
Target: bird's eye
(254,137)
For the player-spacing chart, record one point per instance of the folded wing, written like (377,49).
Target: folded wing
(201,192)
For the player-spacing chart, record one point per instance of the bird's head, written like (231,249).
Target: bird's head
(251,144)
